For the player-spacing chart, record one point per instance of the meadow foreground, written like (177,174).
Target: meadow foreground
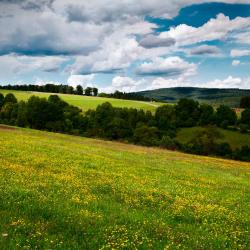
(64,192)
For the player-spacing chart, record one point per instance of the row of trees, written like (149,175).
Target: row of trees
(130,125)
(53,88)
(126,96)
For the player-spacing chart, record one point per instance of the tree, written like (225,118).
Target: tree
(205,140)
(245,102)
(22,114)
(245,117)
(147,136)
(88,91)
(225,116)
(10,98)
(79,90)
(187,113)
(95,91)
(206,115)
(1,100)
(165,117)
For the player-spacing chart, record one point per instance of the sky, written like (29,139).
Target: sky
(126,45)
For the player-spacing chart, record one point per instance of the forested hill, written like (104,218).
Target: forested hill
(213,96)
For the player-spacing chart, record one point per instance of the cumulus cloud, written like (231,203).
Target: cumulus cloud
(239,53)
(229,82)
(125,84)
(215,29)
(83,80)
(169,67)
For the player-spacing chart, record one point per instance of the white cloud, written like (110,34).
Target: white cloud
(125,84)
(169,67)
(83,80)
(229,82)
(239,53)
(215,29)
(235,63)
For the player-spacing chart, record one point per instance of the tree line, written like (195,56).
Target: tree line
(131,125)
(53,88)
(127,96)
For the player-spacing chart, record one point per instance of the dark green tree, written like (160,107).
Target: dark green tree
(245,102)
(225,116)
(1,100)
(10,98)
(88,91)
(245,117)
(79,90)
(95,91)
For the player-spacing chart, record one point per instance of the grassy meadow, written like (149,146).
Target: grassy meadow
(86,102)
(234,138)
(64,192)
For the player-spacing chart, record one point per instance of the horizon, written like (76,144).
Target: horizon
(128,46)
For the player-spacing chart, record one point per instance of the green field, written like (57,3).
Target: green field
(87,102)
(234,138)
(64,192)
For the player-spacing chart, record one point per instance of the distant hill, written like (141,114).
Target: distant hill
(214,96)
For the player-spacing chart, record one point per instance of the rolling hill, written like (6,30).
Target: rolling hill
(214,96)
(64,192)
(87,102)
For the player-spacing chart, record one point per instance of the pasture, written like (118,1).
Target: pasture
(234,138)
(87,102)
(64,192)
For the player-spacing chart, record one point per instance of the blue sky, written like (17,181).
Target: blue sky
(126,45)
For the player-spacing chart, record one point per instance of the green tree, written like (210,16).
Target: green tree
(88,91)
(146,136)
(207,116)
(79,90)
(95,91)
(187,113)
(10,98)
(225,116)
(21,120)
(245,117)
(245,102)
(1,100)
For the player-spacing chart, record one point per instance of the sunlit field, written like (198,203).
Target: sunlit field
(64,192)
(234,138)
(87,102)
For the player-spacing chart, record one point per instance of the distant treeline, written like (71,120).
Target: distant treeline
(131,125)
(127,96)
(53,88)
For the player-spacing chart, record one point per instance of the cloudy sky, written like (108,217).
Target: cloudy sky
(128,45)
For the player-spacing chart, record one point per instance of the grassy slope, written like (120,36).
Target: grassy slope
(64,192)
(234,138)
(86,102)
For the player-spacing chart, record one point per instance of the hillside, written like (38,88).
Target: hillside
(87,102)
(65,192)
(214,96)
(234,138)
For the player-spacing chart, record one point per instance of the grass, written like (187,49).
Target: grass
(234,138)
(87,102)
(64,192)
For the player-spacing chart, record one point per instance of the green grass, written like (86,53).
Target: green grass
(87,102)
(234,138)
(64,192)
